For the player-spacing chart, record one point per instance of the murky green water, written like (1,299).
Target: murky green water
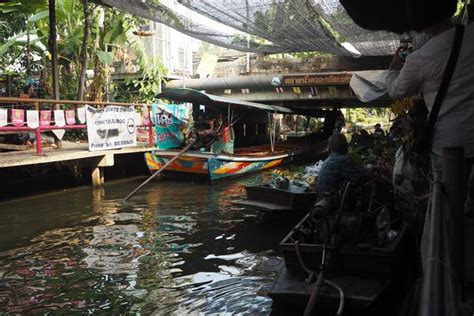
(175,248)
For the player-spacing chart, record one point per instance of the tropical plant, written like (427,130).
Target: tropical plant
(149,82)
(88,37)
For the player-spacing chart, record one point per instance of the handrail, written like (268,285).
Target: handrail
(38,130)
(73,102)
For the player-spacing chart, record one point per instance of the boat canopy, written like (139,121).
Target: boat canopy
(197,97)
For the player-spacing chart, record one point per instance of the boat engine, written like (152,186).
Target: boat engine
(356,216)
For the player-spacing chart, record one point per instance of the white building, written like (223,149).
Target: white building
(173,48)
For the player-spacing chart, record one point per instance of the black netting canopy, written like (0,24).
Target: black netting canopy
(274,26)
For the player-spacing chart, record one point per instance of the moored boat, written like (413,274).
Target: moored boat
(269,198)
(345,255)
(252,143)
(213,166)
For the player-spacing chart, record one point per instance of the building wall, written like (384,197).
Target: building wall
(173,48)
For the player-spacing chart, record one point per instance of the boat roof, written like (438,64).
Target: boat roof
(198,97)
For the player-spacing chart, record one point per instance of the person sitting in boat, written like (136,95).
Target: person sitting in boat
(207,130)
(379,133)
(354,144)
(365,140)
(340,121)
(224,143)
(338,167)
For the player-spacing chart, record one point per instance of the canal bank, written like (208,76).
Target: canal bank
(26,174)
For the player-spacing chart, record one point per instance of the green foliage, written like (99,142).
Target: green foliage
(366,117)
(105,58)
(309,54)
(148,84)
(338,37)
(111,31)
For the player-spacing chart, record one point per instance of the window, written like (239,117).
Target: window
(181,59)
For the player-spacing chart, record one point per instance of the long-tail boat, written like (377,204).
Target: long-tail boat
(256,146)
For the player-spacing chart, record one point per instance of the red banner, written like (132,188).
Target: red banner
(70,117)
(18,117)
(45,118)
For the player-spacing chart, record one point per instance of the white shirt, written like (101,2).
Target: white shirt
(423,71)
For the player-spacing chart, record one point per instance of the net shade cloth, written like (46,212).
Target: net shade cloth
(275,26)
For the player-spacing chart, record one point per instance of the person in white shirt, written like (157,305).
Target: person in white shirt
(423,71)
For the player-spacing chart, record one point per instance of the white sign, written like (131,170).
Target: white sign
(59,119)
(3,117)
(32,118)
(111,127)
(59,133)
(81,114)
(207,65)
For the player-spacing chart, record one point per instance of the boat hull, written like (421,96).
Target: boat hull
(268,198)
(214,167)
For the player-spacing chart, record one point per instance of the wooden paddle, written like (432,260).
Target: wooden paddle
(185,149)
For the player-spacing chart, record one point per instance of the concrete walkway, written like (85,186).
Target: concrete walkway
(69,151)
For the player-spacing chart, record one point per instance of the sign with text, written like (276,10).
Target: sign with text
(111,127)
(207,65)
(316,80)
(171,122)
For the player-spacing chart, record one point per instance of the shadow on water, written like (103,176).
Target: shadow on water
(174,248)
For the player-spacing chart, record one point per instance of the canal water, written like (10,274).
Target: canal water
(174,248)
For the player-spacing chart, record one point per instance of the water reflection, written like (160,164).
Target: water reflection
(176,248)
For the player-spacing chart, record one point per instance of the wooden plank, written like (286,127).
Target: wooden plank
(14,147)
(76,151)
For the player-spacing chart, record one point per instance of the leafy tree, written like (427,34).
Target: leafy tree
(89,36)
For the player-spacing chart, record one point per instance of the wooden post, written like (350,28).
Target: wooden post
(97,175)
(307,129)
(28,53)
(9,85)
(296,128)
(53,49)
(83,56)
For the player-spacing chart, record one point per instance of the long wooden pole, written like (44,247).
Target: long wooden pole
(185,149)
(53,48)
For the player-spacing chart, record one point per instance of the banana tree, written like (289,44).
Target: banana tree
(89,37)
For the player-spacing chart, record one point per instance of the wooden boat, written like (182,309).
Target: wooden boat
(269,198)
(219,166)
(361,294)
(367,275)
(245,157)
